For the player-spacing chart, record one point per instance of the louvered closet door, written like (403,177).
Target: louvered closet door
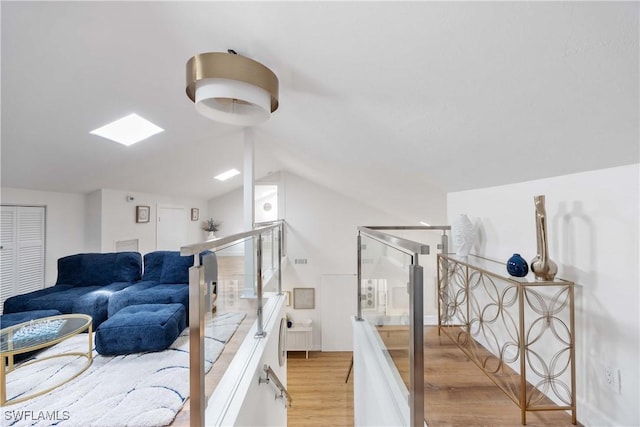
(22,264)
(8,236)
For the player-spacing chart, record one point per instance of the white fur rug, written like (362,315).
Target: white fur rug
(143,389)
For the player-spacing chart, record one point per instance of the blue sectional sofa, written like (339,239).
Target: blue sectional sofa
(100,285)
(84,285)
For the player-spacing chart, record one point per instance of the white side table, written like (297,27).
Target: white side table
(303,336)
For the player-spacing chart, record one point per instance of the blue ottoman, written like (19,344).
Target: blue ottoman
(139,328)
(12,319)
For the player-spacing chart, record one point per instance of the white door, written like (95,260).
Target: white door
(22,240)
(8,223)
(171,228)
(338,302)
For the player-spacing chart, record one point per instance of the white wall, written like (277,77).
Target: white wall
(93,221)
(593,228)
(119,218)
(227,209)
(322,228)
(65,223)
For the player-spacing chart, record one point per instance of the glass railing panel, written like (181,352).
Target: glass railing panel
(429,263)
(236,277)
(269,259)
(385,302)
(239,281)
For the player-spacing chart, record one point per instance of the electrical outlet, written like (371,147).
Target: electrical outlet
(612,378)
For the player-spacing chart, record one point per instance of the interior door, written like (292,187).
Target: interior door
(22,242)
(8,237)
(171,231)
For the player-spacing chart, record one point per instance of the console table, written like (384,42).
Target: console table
(518,331)
(297,342)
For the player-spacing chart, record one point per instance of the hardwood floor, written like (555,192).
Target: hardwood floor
(457,393)
(317,385)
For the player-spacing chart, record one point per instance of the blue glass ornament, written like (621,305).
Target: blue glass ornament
(517,266)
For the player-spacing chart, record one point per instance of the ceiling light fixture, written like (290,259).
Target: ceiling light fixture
(231,88)
(226,175)
(128,130)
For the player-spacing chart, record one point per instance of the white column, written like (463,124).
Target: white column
(249,290)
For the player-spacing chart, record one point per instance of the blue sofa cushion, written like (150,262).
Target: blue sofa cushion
(176,269)
(169,266)
(18,303)
(157,294)
(91,300)
(61,301)
(96,302)
(123,298)
(153,266)
(96,269)
(138,328)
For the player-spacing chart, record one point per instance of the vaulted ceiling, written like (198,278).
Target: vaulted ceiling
(374,96)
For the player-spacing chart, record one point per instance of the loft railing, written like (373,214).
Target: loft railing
(391,299)
(273,378)
(259,267)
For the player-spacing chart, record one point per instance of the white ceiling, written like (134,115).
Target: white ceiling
(373,96)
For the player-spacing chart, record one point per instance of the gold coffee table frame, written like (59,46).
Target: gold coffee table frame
(74,324)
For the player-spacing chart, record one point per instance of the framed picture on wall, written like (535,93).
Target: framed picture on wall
(287,298)
(304,298)
(142,213)
(195,214)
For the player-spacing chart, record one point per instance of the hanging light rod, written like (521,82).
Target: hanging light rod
(231,88)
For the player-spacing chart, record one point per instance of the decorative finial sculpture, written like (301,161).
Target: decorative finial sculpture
(543,268)
(463,235)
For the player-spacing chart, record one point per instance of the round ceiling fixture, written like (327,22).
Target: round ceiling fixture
(232,89)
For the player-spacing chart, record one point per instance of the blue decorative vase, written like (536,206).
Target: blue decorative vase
(517,266)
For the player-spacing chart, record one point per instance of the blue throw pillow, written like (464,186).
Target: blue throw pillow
(68,268)
(175,269)
(153,264)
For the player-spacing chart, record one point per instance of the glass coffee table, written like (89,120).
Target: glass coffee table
(38,334)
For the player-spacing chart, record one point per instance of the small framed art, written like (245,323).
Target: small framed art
(304,298)
(195,214)
(142,213)
(287,298)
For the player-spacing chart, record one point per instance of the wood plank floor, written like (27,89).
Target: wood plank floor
(457,393)
(317,385)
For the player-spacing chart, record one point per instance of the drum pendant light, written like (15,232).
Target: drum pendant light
(231,88)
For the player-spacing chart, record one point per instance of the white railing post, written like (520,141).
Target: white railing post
(260,326)
(359,315)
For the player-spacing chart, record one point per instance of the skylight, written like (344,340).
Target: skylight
(128,130)
(226,175)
